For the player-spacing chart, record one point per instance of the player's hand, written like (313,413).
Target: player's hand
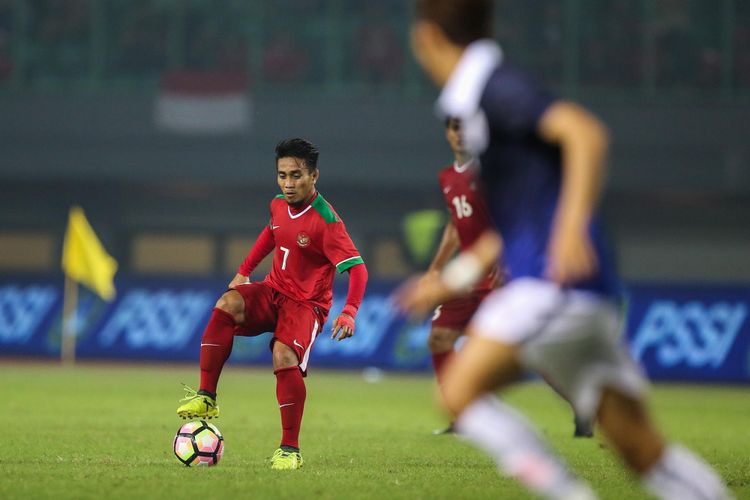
(238,279)
(570,255)
(343,327)
(419,296)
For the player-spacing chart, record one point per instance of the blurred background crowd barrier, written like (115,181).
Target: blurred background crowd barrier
(159,117)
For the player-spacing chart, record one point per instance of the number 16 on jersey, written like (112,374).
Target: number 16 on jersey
(463,207)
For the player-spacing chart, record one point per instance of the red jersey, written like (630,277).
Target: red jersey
(469,212)
(308,247)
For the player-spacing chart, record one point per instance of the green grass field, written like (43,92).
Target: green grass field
(105,431)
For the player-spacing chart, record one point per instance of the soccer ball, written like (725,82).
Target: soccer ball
(199,443)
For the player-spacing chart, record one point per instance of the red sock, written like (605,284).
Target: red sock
(439,361)
(216,345)
(290,393)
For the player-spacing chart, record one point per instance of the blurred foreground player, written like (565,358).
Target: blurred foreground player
(310,243)
(542,167)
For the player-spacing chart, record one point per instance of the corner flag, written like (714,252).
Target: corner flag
(84,259)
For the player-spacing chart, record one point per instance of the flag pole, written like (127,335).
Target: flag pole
(69,322)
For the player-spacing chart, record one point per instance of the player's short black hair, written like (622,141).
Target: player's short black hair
(462,21)
(298,148)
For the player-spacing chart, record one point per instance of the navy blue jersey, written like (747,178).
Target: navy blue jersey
(501,106)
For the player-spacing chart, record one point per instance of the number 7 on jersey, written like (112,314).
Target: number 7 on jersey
(283,259)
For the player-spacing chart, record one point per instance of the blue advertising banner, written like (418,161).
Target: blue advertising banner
(690,333)
(27,315)
(163,320)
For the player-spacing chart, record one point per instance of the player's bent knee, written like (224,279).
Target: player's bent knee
(283,356)
(232,302)
(482,366)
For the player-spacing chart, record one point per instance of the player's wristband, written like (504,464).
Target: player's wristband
(350,310)
(462,272)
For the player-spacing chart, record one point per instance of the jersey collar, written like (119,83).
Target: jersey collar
(462,168)
(303,211)
(461,94)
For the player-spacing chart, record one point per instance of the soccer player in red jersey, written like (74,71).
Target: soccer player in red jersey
(310,243)
(469,218)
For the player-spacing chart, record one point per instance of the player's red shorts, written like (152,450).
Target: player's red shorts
(294,323)
(455,314)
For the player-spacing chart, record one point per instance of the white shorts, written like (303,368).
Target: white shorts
(569,336)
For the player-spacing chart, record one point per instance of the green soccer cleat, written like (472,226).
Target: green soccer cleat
(286,460)
(197,405)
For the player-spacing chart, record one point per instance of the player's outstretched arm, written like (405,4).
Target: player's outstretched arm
(419,296)
(343,325)
(583,141)
(449,245)
(262,247)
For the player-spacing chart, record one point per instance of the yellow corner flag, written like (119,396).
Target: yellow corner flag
(84,258)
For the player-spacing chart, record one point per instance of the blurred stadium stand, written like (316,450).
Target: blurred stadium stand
(81,81)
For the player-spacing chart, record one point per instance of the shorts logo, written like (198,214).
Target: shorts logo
(303,239)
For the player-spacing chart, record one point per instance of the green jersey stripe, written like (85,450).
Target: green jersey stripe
(324,209)
(347,263)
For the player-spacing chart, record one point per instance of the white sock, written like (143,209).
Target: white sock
(681,475)
(509,439)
